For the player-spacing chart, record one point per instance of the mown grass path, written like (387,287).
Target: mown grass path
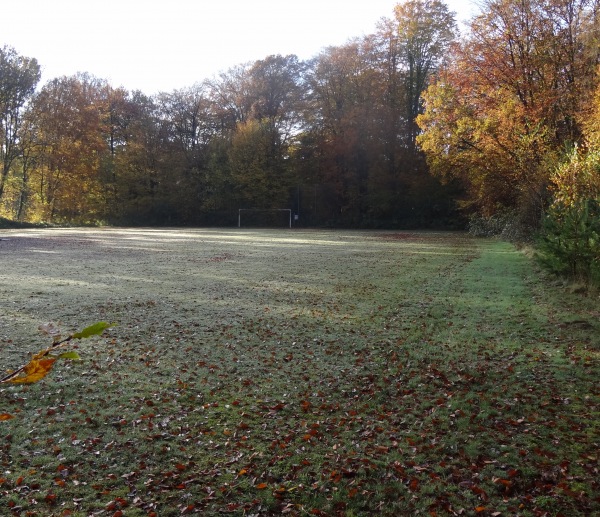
(299,373)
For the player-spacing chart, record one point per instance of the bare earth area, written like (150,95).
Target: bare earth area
(270,372)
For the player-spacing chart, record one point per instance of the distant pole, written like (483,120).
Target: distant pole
(239,218)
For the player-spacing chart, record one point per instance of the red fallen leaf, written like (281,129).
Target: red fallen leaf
(480,509)
(118,513)
(123,502)
(352,492)
(19,481)
(5,416)
(180,466)
(261,486)
(414,484)
(50,498)
(480,491)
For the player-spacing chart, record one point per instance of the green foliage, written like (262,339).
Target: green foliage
(570,240)
(93,330)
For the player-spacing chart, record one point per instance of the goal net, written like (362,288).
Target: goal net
(264,218)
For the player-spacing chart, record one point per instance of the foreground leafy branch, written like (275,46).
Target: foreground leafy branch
(41,363)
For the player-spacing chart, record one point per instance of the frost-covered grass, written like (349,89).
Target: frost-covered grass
(297,372)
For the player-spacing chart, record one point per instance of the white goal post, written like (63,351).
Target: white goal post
(256,210)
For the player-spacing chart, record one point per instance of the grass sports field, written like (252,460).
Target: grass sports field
(272,372)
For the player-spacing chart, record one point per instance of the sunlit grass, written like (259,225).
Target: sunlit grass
(332,373)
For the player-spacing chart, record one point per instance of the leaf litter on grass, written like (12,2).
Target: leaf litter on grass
(323,373)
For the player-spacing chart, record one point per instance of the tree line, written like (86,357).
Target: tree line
(412,125)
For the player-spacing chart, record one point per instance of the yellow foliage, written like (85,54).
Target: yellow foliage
(35,370)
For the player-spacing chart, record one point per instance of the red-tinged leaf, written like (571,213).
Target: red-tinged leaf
(480,509)
(50,498)
(118,513)
(180,466)
(50,329)
(261,486)
(19,481)
(242,472)
(5,416)
(413,485)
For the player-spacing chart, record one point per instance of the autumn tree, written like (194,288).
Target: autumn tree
(19,77)
(130,169)
(499,115)
(425,28)
(230,97)
(69,120)
(256,114)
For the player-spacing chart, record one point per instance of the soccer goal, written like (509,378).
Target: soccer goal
(265,218)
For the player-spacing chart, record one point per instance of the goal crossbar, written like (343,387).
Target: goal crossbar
(240,210)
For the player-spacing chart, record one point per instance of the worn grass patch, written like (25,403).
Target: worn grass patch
(319,373)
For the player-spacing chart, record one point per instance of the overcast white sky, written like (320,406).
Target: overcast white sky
(161,46)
